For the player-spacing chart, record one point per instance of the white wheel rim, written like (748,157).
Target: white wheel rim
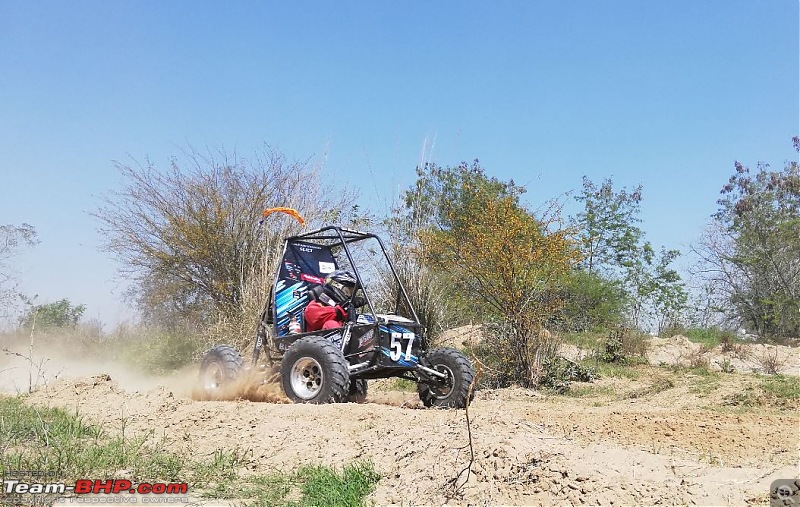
(306,378)
(213,378)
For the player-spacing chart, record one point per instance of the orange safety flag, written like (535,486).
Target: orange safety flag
(288,211)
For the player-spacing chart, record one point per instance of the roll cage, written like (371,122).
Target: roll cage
(304,262)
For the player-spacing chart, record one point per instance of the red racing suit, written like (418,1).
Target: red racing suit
(320,316)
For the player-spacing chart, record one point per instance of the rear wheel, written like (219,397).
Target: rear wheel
(313,370)
(452,391)
(220,368)
(358,391)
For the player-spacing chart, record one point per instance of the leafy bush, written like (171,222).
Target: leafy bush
(503,260)
(624,346)
(726,366)
(542,365)
(559,372)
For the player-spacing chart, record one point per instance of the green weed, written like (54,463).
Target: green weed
(704,384)
(401,384)
(624,346)
(325,486)
(779,391)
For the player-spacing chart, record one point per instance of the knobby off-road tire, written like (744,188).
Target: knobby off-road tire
(220,368)
(313,370)
(453,392)
(358,391)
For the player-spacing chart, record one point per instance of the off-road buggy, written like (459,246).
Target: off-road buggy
(334,365)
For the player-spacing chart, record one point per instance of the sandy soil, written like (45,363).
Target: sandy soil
(641,441)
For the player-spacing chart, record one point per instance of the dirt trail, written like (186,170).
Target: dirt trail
(659,438)
(529,448)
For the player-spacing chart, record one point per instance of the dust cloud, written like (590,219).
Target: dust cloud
(253,385)
(25,368)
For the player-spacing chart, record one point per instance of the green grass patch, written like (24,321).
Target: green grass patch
(698,371)
(53,440)
(66,447)
(613,370)
(783,387)
(325,486)
(711,337)
(705,383)
(401,384)
(776,391)
(584,391)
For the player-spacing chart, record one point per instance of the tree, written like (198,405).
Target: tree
(475,231)
(435,201)
(190,235)
(657,294)
(13,238)
(751,252)
(60,314)
(608,232)
(591,302)
(614,248)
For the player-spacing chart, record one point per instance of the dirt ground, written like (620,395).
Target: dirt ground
(659,438)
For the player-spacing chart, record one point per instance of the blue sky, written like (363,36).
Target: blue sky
(663,94)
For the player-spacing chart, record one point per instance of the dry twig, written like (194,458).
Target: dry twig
(456,484)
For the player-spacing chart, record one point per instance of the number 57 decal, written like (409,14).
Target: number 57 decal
(397,345)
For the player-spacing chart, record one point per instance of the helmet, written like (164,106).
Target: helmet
(340,285)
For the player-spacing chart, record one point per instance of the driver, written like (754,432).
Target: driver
(328,309)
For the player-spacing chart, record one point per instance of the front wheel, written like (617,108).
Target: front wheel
(313,370)
(451,392)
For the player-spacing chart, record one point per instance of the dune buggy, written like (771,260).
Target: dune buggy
(334,365)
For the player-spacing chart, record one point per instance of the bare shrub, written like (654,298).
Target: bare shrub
(769,361)
(699,358)
(188,235)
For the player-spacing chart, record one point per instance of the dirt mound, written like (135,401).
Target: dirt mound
(756,357)
(461,337)
(529,448)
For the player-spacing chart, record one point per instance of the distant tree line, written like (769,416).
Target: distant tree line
(190,239)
